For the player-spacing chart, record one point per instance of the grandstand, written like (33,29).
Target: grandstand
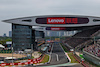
(88,41)
(81,37)
(93,49)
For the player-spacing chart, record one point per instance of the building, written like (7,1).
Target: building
(47,33)
(53,33)
(39,34)
(10,33)
(22,36)
(4,35)
(61,33)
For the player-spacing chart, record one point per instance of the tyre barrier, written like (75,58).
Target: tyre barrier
(30,61)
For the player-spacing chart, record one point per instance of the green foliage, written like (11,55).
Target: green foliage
(5,51)
(8,39)
(73,60)
(3,40)
(64,48)
(39,52)
(81,56)
(32,57)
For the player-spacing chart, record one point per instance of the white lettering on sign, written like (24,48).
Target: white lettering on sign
(55,28)
(55,20)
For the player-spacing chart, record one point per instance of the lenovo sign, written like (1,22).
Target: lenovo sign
(55,20)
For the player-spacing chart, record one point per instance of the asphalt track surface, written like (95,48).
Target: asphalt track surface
(57,54)
(57,57)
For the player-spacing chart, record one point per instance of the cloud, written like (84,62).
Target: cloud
(20,8)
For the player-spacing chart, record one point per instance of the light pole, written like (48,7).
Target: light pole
(31,49)
(94,39)
(12,53)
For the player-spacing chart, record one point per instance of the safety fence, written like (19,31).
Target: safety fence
(30,61)
(91,58)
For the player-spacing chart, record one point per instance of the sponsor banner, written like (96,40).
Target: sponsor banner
(19,63)
(31,62)
(7,63)
(62,20)
(15,63)
(3,64)
(56,28)
(38,61)
(23,63)
(26,63)
(35,61)
(12,63)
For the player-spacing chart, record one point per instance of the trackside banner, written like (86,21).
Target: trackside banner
(55,28)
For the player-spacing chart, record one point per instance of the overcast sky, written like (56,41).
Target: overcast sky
(22,8)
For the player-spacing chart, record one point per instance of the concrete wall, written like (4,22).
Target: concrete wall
(92,58)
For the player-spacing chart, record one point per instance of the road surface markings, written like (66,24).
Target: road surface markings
(57,57)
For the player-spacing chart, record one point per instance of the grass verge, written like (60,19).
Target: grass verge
(46,59)
(39,52)
(63,48)
(73,60)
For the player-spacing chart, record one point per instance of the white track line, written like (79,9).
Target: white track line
(57,57)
